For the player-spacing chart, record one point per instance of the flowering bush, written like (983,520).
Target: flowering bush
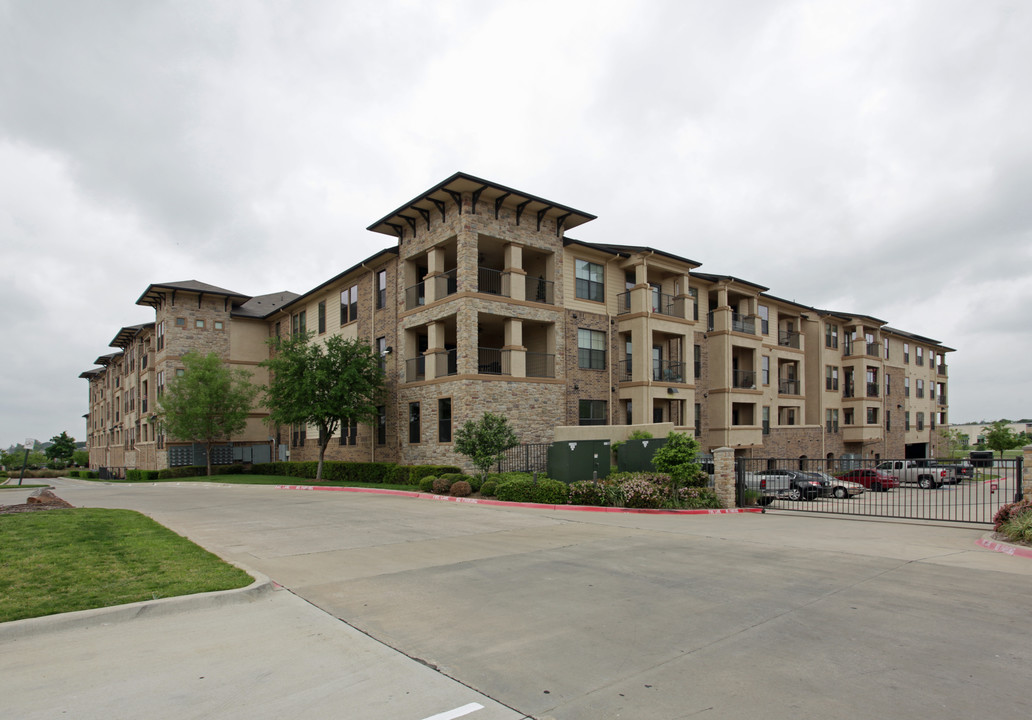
(601,493)
(1009,511)
(643,490)
(695,497)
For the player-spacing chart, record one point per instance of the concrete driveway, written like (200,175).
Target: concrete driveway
(558,614)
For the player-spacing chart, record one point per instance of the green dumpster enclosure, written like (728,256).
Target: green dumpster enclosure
(636,455)
(573,460)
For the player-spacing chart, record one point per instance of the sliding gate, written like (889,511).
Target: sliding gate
(969,495)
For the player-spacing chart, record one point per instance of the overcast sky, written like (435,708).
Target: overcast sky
(871,157)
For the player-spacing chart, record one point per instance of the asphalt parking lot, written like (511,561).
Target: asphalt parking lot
(558,614)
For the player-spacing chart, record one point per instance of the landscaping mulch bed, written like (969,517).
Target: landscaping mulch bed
(39,500)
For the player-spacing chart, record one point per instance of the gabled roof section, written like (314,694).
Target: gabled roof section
(918,338)
(628,250)
(261,306)
(152,295)
(851,316)
(488,197)
(369,261)
(729,278)
(125,335)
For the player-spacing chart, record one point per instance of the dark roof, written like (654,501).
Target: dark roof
(338,276)
(919,338)
(718,278)
(126,335)
(105,360)
(487,197)
(850,316)
(261,306)
(87,374)
(628,250)
(787,302)
(153,292)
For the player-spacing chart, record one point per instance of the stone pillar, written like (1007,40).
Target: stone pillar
(434,268)
(724,479)
(514,277)
(514,344)
(1026,479)
(435,344)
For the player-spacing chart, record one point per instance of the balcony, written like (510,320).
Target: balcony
(667,305)
(788,387)
(415,369)
(872,349)
(445,284)
(667,371)
(848,390)
(540,290)
(743,323)
(540,365)
(872,389)
(623,303)
(623,370)
(493,361)
(790,339)
(861,433)
(415,296)
(446,363)
(743,379)
(489,281)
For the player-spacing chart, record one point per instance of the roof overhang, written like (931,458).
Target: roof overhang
(125,336)
(105,360)
(153,295)
(488,197)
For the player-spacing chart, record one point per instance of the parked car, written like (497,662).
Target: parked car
(875,480)
(795,485)
(962,469)
(836,487)
(921,472)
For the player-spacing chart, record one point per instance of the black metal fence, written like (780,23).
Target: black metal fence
(529,457)
(948,490)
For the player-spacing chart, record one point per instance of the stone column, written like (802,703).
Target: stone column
(1026,479)
(435,344)
(724,476)
(514,277)
(514,344)
(434,268)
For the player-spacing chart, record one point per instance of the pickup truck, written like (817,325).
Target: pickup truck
(921,472)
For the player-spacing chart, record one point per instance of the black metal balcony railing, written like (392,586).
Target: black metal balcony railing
(872,349)
(848,390)
(941,369)
(623,303)
(667,305)
(743,323)
(623,370)
(709,321)
(446,284)
(447,363)
(667,371)
(788,387)
(872,389)
(787,338)
(493,361)
(415,369)
(743,379)
(540,365)
(540,290)
(489,281)
(415,295)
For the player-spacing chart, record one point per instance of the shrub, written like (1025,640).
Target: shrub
(516,490)
(1010,511)
(73,473)
(426,484)
(461,488)
(696,497)
(442,486)
(677,459)
(1018,528)
(454,477)
(475,482)
(489,488)
(601,493)
(643,490)
(551,492)
(418,472)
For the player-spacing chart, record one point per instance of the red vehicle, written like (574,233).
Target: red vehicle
(875,480)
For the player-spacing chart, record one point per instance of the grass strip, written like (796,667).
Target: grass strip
(56,561)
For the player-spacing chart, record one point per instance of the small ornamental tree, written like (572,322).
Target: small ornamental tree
(952,442)
(999,437)
(677,459)
(208,404)
(61,448)
(323,384)
(485,441)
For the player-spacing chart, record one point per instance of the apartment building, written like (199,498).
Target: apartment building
(484,303)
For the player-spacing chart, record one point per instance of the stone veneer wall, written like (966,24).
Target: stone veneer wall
(586,384)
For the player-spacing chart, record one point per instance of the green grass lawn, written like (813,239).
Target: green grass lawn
(273,480)
(55,561)
(26,486)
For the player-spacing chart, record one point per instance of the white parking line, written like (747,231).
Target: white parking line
(457,712)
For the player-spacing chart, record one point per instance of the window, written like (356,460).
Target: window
(698,361)
(766,420)
(349,305)
(693,293)
(180,322)
(414,422)
(906,421)
(831,420)
(920,421)
(931,420)
(847,416)
(161,336)
(920,388)
(199,323)
(831,378)
(180,372)
(888,385)
(348,432)
(906,352)
(278,328)
(381,351)
(765,369)
(920,355)
(590,282)
(381,289)
(593,412)
(322,316)
(381,425)
(885,345)
(218,325)
(298,323)
(764,312)
(888,420)
(161,383)
(872,416)
(906,387)
(297,435)
(591,349)
(444,420)
(831,336)
(847,343)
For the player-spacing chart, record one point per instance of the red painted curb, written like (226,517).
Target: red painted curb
(1006,548)
(538,506)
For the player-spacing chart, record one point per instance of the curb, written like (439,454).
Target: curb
(534,506)
(989,542)
(95,617)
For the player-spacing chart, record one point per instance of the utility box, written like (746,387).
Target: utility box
(636,455)
(574,460)
(981,458)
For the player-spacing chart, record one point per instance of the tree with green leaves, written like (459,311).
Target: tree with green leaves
(323,384)
(208,404)
(951,442)
(61,448)
(677,459)
(999,437)
(485,441)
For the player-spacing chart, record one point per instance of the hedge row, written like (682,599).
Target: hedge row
(333,471)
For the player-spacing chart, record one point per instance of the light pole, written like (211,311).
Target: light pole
(29,444)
